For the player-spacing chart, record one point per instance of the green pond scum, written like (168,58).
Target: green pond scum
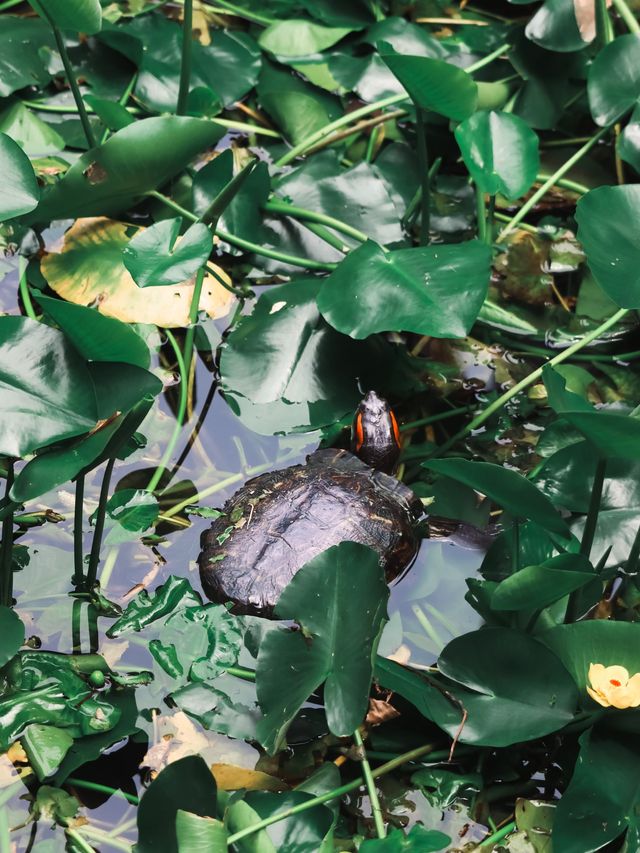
(222,223)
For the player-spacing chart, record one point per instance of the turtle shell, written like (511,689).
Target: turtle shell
(282,519)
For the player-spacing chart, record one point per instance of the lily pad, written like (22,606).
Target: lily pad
(319,598)
(20,193)
(154,259)
(432,290)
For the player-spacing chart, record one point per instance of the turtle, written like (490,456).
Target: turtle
(280,520)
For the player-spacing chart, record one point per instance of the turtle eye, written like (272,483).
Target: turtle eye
(359,431)
(394,427)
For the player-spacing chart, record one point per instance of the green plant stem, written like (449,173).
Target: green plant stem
(256,249)
(432,419)
(185,64)
(326,235)
(275,205)
(9,4)
(230,124)
(495,837)
(105,789)
(92,625)
(425,183)
(594,508)
(501,217)
(370,785)
(565,183)
(78,550)
(529,380)
(193,319)
(94,557)
(481,215)
(535,198)
(565,143)
(245,13)
(604,29)
(76,634)
(407,219)
(26,296)
(491,212)
(515,547)
(80,845)
(100,837)
(77,97)
(371,144)
(182,408)
(331,795)
(122,100)
(627,16)
(344,120)
(6,548)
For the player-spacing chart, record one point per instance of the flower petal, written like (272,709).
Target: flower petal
(597,697)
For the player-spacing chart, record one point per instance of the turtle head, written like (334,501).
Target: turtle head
(374,435)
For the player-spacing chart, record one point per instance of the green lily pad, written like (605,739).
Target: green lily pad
(46,390)
(187,785)
(20,192)
(433,84)
(134,160)
(77,15)
(508,488)
(11,634)
(431,290)
(154,259)
(319,598)
(606,218)
(297,37)
(614,79)
(500,151)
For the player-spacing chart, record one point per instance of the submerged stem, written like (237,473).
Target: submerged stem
(78,550)
(94,557)
(6,548)
(529,380)
(371,786)
(182,408)
(75,91)
(566,166)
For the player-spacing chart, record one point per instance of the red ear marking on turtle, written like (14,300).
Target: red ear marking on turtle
(359,431)
(394,425)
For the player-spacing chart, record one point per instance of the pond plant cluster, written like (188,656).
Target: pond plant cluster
(286,204)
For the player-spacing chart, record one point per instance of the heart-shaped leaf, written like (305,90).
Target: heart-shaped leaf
(46,390)
(607,219)
(318,598)
(500,151)
(555,27)
(433,84)
(297,37)
(613,85)
(20,190)
(11,634)
(133,161)
(186,784)
(80,16)
(538,586)
(154,259)
(432,290)
(507,488)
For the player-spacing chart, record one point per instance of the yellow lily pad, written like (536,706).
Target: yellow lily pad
(229,777)
(85,267)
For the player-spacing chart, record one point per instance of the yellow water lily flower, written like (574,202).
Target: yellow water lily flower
(612,686)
